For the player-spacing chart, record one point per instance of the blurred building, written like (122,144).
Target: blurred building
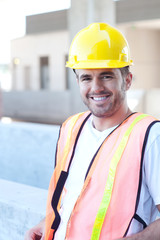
(40,85)
(38,58)
(43,90)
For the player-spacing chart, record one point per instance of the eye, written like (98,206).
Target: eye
(86,79)
(107,77)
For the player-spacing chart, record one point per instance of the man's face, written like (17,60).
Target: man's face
(103,90)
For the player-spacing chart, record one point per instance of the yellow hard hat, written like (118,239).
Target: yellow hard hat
(99,46)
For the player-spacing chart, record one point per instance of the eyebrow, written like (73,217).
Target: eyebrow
(85,76)
(106,72)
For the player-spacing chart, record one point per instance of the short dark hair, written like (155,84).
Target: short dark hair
(124,71)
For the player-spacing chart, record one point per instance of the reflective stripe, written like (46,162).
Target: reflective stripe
(69,134)
(110,181)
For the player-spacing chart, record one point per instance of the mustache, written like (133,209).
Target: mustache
(102,93)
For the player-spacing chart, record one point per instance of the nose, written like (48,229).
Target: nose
(97,85)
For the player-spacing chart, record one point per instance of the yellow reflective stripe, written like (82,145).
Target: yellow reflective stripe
(110,180)
(69,133)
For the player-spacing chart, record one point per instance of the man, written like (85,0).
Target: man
(105,184)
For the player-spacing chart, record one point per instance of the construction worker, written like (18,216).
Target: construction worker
(105,183)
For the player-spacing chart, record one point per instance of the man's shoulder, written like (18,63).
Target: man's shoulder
(152,131)
(149,118)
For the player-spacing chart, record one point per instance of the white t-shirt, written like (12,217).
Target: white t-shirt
(89,141)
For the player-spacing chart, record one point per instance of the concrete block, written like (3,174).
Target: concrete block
(27,153)
(21,208)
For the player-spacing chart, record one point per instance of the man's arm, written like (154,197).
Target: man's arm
(150,232)
(37,232)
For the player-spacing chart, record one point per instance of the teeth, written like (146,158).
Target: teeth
(99,98)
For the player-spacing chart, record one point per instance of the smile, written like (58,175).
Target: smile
(99,98)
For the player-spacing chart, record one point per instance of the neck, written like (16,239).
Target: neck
(106,122)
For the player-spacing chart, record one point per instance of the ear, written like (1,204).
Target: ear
(128,80)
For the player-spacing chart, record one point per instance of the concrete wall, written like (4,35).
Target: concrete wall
(27,153)
(21,207)
(37,106)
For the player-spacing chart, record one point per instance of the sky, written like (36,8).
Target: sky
(12,19)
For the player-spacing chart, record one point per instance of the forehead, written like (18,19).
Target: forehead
(91,72)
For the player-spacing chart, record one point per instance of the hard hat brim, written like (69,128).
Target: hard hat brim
(98,64)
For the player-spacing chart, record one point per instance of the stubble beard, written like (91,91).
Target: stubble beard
(112,107)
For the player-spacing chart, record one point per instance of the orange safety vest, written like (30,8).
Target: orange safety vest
(110,195)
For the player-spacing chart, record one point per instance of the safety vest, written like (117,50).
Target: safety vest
(110,195)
